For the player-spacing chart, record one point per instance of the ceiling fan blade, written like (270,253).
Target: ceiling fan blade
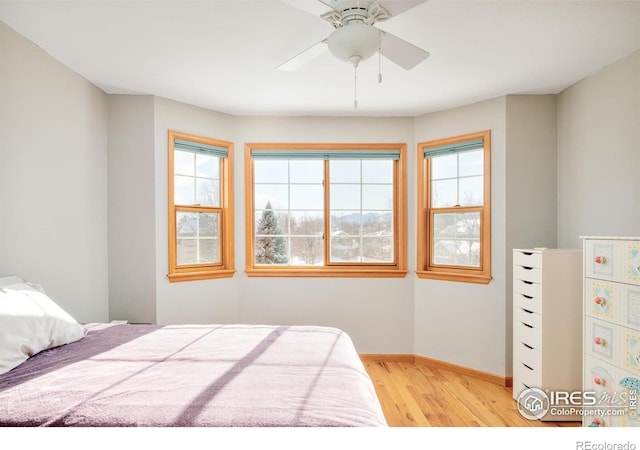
(401,52)
(395,7)
(304,57)
(314,7)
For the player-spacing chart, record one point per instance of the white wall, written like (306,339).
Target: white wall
(464,323)
(599,154)
(376,313)
(53,178)
(206,301)
(132,245)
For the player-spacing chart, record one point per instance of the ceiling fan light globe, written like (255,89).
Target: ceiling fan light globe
(354,39)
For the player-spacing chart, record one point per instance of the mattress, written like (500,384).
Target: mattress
(122,375)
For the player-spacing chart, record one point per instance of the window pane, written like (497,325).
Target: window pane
(377,196)
(276,171)
(347,171)
(444,193)
(377,171)
(309,223)
(471,191)
(471,163)
(282,220)
(346,222)
(198,235)
(209,251)
(307,251)
(306,171)
(277,195)
(271,222)
(377,223)
(187,251)
(444,167)
(307,196)
(207,166)
(344,247)
(456,239)
(183,163)
(184,190)
(377,249)
(207,192)
(271,250)
(345,196)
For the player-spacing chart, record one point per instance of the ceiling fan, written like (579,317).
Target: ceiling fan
(355,37)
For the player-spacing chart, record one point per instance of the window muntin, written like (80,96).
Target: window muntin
(454,225)
(328,212)
(200,207)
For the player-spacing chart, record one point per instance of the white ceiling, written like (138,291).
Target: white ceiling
(222,55)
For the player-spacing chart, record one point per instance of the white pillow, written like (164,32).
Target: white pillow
(11,279)
(31,322)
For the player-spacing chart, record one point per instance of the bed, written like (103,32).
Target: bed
(123,375)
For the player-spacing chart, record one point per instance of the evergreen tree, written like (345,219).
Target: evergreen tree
(270,250)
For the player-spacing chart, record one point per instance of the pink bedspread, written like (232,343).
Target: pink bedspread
(194,375)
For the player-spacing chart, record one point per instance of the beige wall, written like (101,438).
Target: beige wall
(599,154)
(132,246)
(53,178)
(464,323)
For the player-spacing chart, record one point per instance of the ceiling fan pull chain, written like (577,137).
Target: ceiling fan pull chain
(379,60)
(355,86)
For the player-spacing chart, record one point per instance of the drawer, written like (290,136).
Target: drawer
(630,310)
(601,340)
(527,333)
(527,287)
(630,341)
(527,316)
(631,262)
(603,380)
(602,259)
(518,387)
(527,354)
(603,299)
(526,273)
(527,302)
(600,377)
(527,258)
(526,375)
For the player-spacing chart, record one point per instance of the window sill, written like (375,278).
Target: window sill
(194,276)
(449,276)
(327,272)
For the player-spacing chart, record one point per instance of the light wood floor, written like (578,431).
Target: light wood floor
(414,395)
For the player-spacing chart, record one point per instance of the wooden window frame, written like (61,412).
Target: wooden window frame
(397,269)
(425,267)
(226,267)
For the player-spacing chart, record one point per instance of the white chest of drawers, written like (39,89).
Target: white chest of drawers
(612,330)
(547,321)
